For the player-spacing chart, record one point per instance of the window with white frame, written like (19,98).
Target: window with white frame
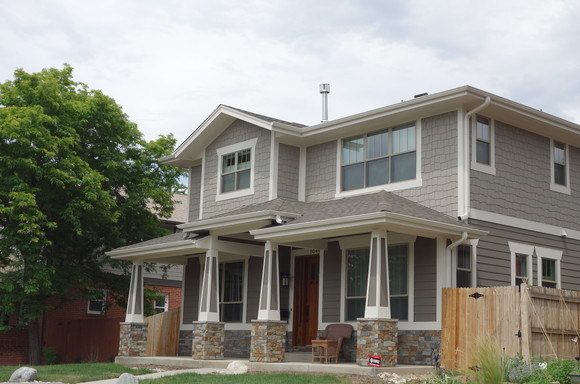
(560,170)
(357,269)
(162,303)
(96,304)
(464,266)
(379,158)
(231,291)
(521,263)
(483,148)
(236,170)
(549,267)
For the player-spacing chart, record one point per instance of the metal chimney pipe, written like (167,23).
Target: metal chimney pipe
(324,91)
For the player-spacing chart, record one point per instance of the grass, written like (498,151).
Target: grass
(75,373)
(251,378)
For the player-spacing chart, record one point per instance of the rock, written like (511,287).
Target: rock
(127,378)
(235,368)
(22,375)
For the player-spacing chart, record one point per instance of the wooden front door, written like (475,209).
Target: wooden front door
(305,320)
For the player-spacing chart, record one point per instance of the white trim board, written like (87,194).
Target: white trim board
(529,225)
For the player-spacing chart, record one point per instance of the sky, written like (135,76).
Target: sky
(170,63)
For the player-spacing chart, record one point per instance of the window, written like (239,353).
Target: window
(521,268)
(483,150)
(560,171)
(379,158)
(231,291)
(521,263)
(483,141)
(236,170)
(549,267)
(96,305)
(357,269)
(463,266)
(161,305)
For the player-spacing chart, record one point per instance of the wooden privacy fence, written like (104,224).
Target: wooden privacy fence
(163,333)
(527,321)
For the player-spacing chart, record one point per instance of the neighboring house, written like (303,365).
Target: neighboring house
(296,223)
(95,322)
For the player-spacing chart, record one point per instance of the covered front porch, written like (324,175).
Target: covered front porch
(266,279)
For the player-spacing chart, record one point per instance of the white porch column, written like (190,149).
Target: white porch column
(209,303)
(135,300)
(270,292)
(377,304)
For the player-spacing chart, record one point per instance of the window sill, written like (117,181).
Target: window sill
(483,168)
(560,188)
(234,194)
(386,187)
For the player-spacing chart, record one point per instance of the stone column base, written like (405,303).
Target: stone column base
(208,340)
(377,337)
(133,339)
(268,341)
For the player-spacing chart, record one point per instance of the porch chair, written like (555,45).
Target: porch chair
(334,332)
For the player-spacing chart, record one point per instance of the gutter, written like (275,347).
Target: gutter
(466,158)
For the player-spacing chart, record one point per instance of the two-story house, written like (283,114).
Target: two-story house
(364,220)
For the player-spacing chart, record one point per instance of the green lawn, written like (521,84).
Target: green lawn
(250,378)
(75,373)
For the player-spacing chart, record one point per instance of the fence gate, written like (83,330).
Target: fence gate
(473,314)
(163,333)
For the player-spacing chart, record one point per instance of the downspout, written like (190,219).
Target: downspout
(466,158)
(449,252)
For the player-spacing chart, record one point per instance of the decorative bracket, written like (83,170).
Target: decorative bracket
(476,295)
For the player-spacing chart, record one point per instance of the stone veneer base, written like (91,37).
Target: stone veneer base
(268,341)
(208,340)
(377,337)
(133,339)
(418,347)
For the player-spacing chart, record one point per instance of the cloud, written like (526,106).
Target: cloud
(169,64)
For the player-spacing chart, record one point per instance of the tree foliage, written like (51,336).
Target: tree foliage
(78,179)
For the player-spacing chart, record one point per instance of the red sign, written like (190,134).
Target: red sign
(374,361)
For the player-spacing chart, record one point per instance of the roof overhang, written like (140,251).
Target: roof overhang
(175,248)
(226,225)
(363,223)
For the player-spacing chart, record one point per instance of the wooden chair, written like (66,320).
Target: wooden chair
(335,332)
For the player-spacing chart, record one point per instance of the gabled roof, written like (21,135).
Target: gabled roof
(465,97)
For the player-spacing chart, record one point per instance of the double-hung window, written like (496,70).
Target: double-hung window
(483,147)
(236,170)
(521,268)
(96,304)
(379,158)
(560,170)
(357,269)
(231,291)
(549,267)
(162,303)
(464,270)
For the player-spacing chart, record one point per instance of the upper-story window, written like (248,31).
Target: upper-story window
(236,170)
(483,136)
(379,158)
(560,171)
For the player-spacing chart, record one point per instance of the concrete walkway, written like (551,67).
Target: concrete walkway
(156,375)
(288,366)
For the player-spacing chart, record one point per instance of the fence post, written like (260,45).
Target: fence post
(526,327)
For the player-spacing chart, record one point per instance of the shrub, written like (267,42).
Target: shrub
(49,356)
(560,370)
(492,365)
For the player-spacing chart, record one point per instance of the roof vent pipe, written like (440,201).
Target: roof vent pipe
(324,91)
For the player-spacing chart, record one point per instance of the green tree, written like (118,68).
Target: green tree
(78,179)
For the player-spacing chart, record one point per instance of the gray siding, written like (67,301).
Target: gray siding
(438,167)
(237,132)
(521,186)
(254,281)
(194,193)
(191,290)
(321,171)
(493,254)
(331,284)
(288,165)
(425,279)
